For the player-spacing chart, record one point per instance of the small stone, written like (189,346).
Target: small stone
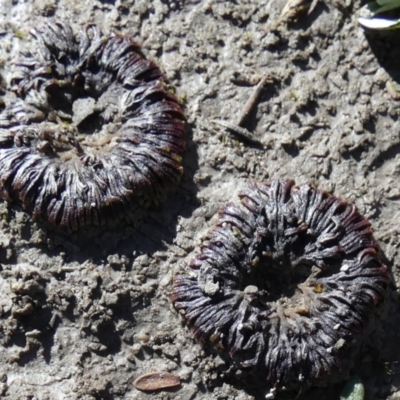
(344,268)
(97,347)
(251,289)
(339,344)
(110,299)
(82,108)
(136,349)
(170,351)
(211,288)
(142,336)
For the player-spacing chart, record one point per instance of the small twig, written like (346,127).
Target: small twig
(239,131)
(238,128)
(248,107)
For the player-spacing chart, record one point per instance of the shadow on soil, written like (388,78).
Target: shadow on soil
(385,46)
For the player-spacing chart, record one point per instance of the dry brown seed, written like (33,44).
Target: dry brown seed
(156,381)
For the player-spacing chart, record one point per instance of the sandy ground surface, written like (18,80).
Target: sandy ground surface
(83,315)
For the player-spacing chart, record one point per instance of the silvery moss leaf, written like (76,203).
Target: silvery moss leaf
(370,18)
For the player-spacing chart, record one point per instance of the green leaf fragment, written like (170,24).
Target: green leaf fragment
(393,3)
(378,7)
(354,390)
(391,88)
(379,23)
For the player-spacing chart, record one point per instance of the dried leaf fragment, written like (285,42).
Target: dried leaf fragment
(156,381)
(294,8)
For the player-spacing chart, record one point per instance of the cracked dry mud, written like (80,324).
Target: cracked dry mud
(84,314)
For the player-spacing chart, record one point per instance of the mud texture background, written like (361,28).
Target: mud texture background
(82,315)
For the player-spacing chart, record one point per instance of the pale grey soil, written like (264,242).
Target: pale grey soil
(83,315)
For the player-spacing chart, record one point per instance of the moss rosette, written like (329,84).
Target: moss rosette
(92,135)
(285,284)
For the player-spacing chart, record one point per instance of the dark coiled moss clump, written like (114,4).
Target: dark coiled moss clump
(92,135)
(284,283)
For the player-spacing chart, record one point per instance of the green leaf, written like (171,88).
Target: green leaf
(354,390)
(385,2)
(387,5)
(377,7)
(379,23)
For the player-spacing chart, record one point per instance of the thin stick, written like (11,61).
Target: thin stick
(238,128)
(239,131)
(251,102)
